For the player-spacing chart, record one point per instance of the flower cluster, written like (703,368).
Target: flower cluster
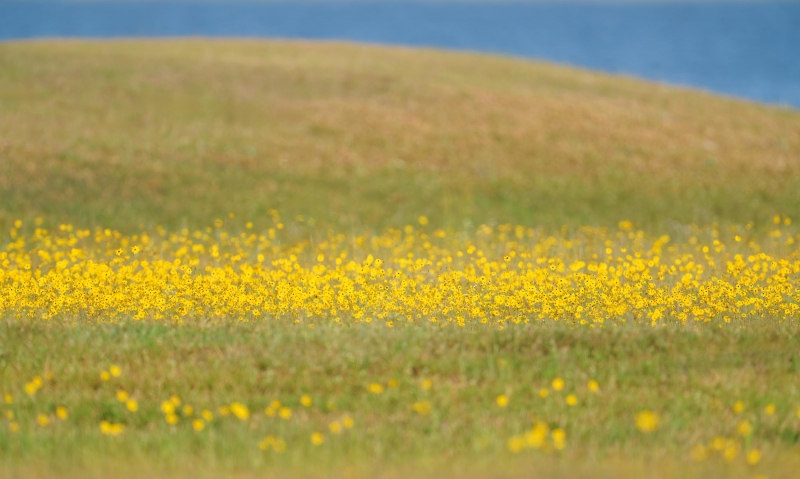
(498,276)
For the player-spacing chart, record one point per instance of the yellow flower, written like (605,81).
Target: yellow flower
(305,400)
(285,413)
(572,400)
(198,425)
(738,407)
(207,415)
(559,438)
(348,422)
(558,384)
(769,409)
(61,412)
(224,411)
(9,414)
(593,386)
(718,443)
(427,384)
(240,411)
(753,457)
(105,376)
(730,452)
(30,389)
(317,438)
(167,407)
(335,427)
(43,420)
(515,444)
(122,396)
(544,392)
(423,220)
(132,405)
(392,383)
(187,410)
(175,400)
(277,445)
(115,370)
(647,421)
(9,399)
(502,400)
(375,388)
(171,418)
(110,429)
(744,428)
(13,426)
(421,407)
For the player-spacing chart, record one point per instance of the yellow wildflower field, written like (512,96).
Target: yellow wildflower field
(498,277)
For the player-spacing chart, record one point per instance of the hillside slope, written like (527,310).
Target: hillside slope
(127,133)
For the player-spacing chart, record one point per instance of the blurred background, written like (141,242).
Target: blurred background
(746,49)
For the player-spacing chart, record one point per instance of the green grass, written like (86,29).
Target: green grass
(133,134)
(151,132)
(692,377)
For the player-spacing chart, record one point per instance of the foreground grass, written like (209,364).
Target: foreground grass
(691,378)
(127,134)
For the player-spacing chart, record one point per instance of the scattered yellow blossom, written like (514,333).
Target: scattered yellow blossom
(317,438)
(544,392)
(422,407)
(240,411)
(753,457)
(348,422)
(285,413)
(111,429)
(647,421)
(744,428)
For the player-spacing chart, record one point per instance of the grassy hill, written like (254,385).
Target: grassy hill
(127,133)
(451,347)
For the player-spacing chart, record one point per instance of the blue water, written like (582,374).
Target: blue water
(744,50)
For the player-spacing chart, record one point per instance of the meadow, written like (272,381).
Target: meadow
(251,258)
